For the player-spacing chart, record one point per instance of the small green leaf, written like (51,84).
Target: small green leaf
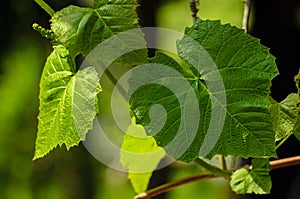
(80,30)
(284,115)
(68,103)
(255,181)
(140,155)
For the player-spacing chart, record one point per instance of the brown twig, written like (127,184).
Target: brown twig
(247,9)
(194,9)
(276,164)
(169,186)
(286,162)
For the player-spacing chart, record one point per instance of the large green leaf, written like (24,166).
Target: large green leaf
(246,68)
(256,181)
(140,155)
(284,115)
(68,102)
(80,30)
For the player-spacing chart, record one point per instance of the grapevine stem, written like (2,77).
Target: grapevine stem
(286,162)
(247,9)
(45,6)
(114,81)
(276,164)
(169,186)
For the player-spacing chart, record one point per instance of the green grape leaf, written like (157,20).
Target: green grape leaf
(284,115)
(255,181)
(68,102)
(246,68)
(165,105)
(80,30)
(140,155)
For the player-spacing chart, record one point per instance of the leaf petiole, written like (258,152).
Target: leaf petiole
(45,6)
(211,169)
(283,140)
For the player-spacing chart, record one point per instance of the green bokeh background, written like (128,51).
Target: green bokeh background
(73,174)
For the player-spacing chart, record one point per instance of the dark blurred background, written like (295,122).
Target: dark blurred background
(76,174)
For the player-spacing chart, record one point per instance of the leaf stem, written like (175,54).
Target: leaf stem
(246,16)
(276,164)
(114,81)
(283,140)
(213,170)
(194,9)
(46,7)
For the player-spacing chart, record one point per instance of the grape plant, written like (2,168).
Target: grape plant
(217,106)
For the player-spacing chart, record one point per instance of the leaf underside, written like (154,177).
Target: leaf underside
(68,102)
(255,181)
(140,155)
(284,115)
